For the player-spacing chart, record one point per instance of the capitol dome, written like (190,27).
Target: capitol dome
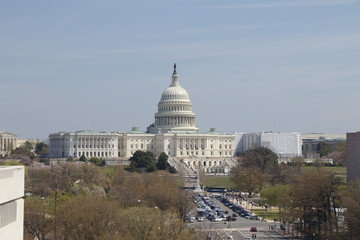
(174,110)
(175,92)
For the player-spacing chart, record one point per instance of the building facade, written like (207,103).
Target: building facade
(87,143)
(173,132)
(285,145)
(8,142)
(11,202)
(353,156)
(311,143)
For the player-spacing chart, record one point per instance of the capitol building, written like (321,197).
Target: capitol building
(173,132)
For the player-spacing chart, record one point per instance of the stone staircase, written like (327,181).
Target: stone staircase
(182,167)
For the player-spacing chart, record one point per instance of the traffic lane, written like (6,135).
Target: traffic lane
(241,220)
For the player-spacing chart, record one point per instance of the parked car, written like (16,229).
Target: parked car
(255,218)
(200,219)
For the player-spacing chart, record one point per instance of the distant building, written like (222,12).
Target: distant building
(353,156)
(173,132)
(87,143)
(11,202)
(8,142)
(311,141)
(285,145)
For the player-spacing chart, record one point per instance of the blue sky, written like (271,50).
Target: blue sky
(248,65)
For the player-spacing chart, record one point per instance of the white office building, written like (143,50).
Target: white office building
(285,145)
(11,202)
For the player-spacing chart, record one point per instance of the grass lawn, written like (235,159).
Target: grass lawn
(271,214)
(339,171)
(217,181)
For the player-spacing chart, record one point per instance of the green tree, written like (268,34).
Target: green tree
(26,150)
(324,149)
(162,162)
(274,195)
(143,161)
(260,157)
(248,179)
(12,163)
(97,161)
(82,159)
(41,149)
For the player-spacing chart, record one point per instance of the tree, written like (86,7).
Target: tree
(248,179)
(324,149)
(38,218)
(143,223)
(260,157)
(82,159)
(339,153)
(88,218)
(26,149)
(162,162)
(37,180)
(41,149)
(351,202)
(297,162)
(143,161)
(12,163)
(314,200)
(97,161)
(274,195)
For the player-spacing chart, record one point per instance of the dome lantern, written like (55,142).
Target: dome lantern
(174,110)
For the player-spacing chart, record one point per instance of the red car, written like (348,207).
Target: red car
(253,229)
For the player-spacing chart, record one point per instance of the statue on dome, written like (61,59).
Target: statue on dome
(174,68)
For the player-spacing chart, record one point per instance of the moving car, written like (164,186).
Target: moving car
(253,229)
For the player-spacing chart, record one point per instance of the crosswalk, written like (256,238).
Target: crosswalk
(242,233)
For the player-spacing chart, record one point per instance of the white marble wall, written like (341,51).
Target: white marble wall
(8,142)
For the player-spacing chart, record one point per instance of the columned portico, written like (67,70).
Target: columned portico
(8,142)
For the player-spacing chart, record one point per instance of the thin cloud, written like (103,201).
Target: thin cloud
(287,3)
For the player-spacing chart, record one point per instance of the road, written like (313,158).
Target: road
(239,229)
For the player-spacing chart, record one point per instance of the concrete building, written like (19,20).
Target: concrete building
(87,143)
(8,142)
(11,202)
(173,132)
(353,156)
(285,145)
(310,143)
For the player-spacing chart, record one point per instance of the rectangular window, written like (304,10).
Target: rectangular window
(8,212)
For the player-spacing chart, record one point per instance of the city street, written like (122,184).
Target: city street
(239,229)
